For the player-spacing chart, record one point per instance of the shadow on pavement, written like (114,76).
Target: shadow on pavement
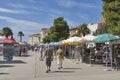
(63,71)
(12,62)
(25,55)
(71,68)
(4,66)
(3,73)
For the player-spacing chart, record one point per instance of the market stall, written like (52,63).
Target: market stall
(108,51)
(8,48)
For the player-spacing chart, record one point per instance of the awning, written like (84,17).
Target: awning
(9,40)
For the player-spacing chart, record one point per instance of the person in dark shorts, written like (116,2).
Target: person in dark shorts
(49,57)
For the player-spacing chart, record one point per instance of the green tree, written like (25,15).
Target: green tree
(46,39)
(111,13)
(101,30)
(83,30)
(20,34)
(7,32)
(59,31)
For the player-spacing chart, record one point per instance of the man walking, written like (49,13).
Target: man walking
(49,57)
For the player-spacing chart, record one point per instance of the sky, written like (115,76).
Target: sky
(29,16)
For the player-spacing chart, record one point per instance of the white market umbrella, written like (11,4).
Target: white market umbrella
(89,37)
(2,38)
(74,39)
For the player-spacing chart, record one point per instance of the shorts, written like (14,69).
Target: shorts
(48,61)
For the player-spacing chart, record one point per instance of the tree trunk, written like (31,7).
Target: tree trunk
(20,38)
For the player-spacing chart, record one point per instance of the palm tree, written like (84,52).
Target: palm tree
(7,32)
(83,30)
(20,33)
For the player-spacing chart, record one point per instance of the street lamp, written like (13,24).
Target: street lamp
(91,46)
(106,56)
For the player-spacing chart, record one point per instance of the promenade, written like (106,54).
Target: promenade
(31,68)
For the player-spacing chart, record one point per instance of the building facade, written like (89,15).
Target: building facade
(73,31)
(44,32)
(34,39)
(101,23)
(92,27)
(38,38)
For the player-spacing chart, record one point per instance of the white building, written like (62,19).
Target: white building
(92,27)
(34,39)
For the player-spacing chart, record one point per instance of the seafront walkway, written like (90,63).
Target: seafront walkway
(29,67)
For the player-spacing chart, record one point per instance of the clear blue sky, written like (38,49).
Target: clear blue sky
(30,16)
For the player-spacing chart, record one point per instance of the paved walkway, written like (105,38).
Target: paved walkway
(31,68)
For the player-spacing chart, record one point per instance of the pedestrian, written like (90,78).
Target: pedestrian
(78,54)
(20,49)
(41,52)
(48,55)
(24,51)
(60,57)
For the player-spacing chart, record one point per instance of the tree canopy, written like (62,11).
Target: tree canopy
(7,31)
(59,31)
(20,33)
(111,13)
(83,30)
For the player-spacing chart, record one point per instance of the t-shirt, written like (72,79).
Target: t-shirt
(49,53)
(60,53)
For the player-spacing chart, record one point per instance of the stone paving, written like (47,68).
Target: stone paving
(31,68)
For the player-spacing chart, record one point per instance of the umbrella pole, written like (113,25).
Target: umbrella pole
(90,59)
(106,52)
(106,60)
(111,55)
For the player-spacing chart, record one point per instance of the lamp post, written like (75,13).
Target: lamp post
(110,46)
(106,56)
(91,46)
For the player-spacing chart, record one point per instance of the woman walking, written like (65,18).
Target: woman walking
(60,57)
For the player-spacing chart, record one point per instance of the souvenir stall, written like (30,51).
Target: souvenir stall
(71,44)
(8,51)
(8,48)
(116,54)
(107,50)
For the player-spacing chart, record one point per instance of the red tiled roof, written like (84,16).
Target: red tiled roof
(35,35)
(45,29)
